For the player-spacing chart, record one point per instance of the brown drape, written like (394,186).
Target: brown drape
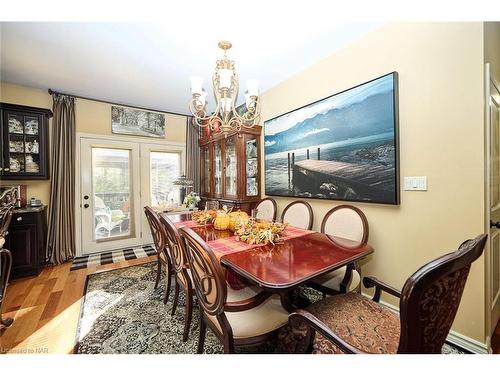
(193,153)
(61,237)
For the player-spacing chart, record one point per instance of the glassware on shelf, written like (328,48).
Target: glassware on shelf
(231,170)
(218,169)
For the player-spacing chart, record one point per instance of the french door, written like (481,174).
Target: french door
(118,178)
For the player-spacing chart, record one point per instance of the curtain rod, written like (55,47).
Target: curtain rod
(120,104)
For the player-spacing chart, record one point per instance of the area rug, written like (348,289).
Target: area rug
(122,313)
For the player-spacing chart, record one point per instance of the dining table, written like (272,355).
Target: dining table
(298,257)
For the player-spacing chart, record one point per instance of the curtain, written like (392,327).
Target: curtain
(193,153)
(61,236)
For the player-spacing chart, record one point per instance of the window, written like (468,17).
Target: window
(164,169)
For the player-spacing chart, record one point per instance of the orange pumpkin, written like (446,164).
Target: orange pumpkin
(236,217)
(221,221)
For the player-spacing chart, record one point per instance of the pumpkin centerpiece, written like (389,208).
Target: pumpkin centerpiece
(236,218)
(222,219)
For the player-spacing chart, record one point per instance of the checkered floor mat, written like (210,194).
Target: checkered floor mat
(112,257)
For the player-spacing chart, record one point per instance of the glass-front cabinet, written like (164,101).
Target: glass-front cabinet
(230,168)
(235,158)
(24,142)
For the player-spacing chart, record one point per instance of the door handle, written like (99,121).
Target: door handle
(495,224)
(86,205)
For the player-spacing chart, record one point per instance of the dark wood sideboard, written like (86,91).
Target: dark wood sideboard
(27,240)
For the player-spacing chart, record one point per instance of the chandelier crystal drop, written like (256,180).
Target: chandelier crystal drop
(225,83)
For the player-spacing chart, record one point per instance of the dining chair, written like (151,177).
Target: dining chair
(299,214)
(347,222)
(162,250)
(238,318)
(352,323)
(5,259)
(266,209)
(182,274)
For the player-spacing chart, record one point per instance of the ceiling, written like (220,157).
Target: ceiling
(149,64)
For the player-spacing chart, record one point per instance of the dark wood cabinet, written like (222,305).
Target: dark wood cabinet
(230,168)
(27,240)
(24,142)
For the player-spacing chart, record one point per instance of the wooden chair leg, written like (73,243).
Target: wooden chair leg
(176,297)
(168,282)
(203,331)
(158,274)
(188,313)
(228,346)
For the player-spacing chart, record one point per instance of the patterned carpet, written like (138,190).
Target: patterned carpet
(122,313)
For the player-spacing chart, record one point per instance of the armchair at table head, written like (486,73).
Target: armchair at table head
(429,301)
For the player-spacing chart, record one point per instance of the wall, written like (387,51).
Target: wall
(91,117)
(440,68)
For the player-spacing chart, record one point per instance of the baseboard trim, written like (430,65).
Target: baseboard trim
(455,338)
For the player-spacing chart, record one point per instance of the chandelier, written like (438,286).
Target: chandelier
(226,116)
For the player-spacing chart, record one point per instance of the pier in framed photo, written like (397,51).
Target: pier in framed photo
(343,147)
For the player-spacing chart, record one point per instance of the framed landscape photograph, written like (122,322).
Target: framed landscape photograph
(131,121)
(343,147)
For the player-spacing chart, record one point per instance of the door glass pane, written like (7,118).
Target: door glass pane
(112,192)
(218,169)
(231,171)
(252,168)
(164,169)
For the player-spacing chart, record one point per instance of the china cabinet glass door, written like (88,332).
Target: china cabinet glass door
(218,169)
(206,170)
(231,170)
(252,168)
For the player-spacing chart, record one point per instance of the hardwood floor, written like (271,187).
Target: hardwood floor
(46,308)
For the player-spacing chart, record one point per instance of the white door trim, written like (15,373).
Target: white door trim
(180,146)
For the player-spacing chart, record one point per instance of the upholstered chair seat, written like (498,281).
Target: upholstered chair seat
(359,321)
(2,242)
(333,280)
(265,318)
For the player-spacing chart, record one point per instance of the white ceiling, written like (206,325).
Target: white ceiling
(149,64)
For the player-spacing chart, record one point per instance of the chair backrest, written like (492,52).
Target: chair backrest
(177,253)
(206,272)
(157,231)
(266,209)
(431,296)
(299,214)
(348,222)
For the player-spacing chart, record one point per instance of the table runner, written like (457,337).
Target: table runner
(230,245)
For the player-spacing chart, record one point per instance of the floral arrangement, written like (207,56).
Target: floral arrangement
(262,232)
(192,199)
(204,217)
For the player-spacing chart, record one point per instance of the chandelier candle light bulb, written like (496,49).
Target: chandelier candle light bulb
(225,87)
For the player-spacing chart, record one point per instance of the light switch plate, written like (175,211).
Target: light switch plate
(416,183)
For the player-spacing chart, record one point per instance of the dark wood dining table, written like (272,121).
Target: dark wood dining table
(284,266)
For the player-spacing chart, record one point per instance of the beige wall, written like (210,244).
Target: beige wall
(440,70)
(91,117)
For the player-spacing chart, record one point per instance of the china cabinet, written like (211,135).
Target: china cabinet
(230,167)
(24,142)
